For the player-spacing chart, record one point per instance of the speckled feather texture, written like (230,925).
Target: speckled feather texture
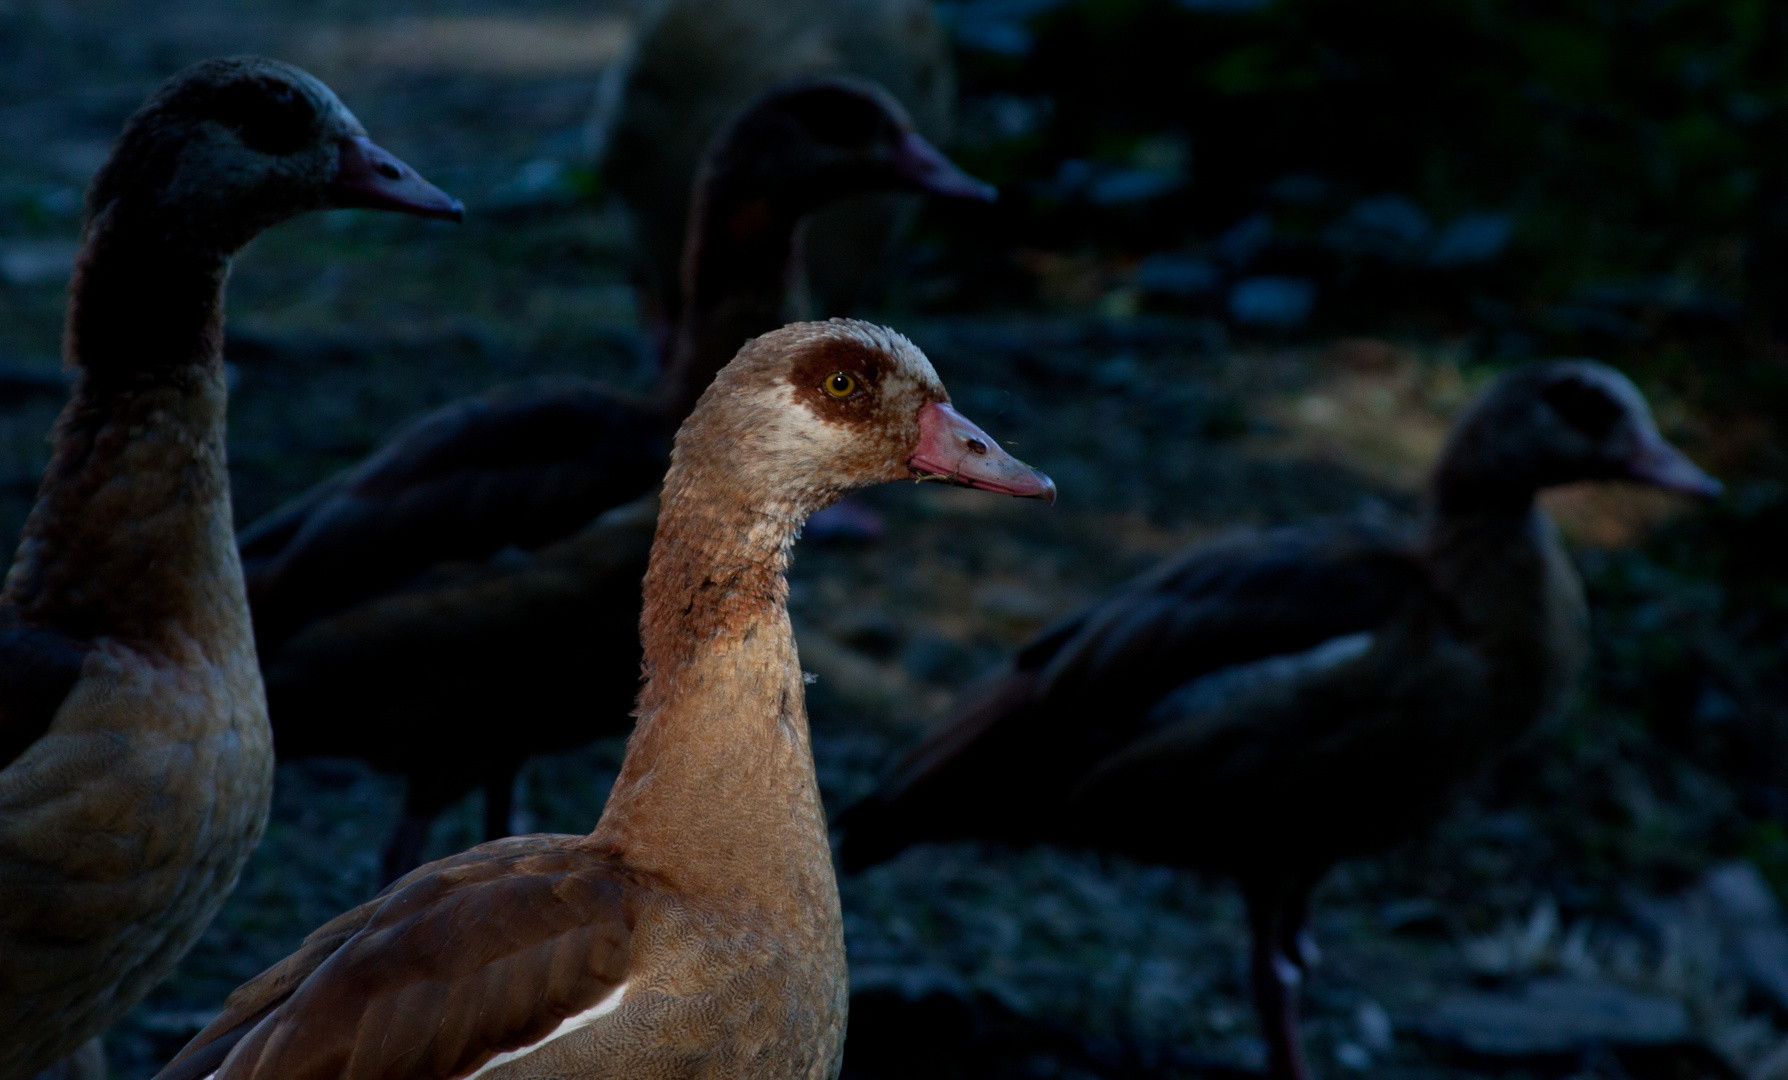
(129,802)
(696,932)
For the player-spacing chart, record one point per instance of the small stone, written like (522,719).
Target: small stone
(1353,1056)
(1374,1025)
(1751,927)
(1555,1016)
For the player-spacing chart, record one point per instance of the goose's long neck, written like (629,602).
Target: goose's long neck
(736,269)
(718,790)
(1499,556)
(131,535)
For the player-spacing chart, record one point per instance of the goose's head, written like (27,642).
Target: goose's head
(813,410)
(231,146)
(807,141)
(1562,422)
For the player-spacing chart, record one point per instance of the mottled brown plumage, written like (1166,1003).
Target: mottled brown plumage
(135,757)
(696,931)
(1277,701)
(364,658)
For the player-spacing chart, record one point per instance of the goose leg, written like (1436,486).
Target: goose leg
(1300,942)
(1277,978)
(88,1062)
(424,800)
(404,853)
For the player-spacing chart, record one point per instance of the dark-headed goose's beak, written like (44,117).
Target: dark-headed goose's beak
(957,452)
(1658,463)
(370,176)
(926,167)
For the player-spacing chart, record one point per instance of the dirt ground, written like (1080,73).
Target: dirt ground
(1159,432)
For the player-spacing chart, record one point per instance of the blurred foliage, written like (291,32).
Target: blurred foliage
(1512,178)
(1626,143)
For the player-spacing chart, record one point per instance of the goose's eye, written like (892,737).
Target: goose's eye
(840,384)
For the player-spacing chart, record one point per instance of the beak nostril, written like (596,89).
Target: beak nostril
(977,446)
(389,171)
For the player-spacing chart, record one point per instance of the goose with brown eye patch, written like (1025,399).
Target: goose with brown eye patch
(695,931)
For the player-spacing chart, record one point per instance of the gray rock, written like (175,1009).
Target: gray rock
(1554,1016)
(1751,929)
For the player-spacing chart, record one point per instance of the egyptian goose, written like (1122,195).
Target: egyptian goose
(1272,703)
(696,931)
(410,680)
(693,63)
(526,465)
(135,758)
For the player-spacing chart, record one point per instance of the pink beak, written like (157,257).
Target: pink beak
(957,452)
(926,168)
(369,176)
(1658,463)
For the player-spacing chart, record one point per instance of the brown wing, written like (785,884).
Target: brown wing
(250,1003)
(38,668)
(520,466)
(1332,757)
(1003,764)
(413,679)
(453,964)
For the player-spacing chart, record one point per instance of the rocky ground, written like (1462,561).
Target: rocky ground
(1570,920)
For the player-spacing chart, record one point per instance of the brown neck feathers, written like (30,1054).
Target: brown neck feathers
(141,305)
(717,570)
(131,533)
(718,792)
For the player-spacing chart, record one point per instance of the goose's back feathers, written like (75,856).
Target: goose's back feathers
(519,466)
(1334,753)
(457,638)
(1243,598)
(1001,763)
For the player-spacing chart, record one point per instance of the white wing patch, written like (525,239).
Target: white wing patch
(1220,687)
(570,1024)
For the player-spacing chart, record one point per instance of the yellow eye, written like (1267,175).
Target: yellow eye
(840,384)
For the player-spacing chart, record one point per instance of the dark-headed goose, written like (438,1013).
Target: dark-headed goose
(135,758)
(457,677)
(1271,704)
(696,931)
(694,63)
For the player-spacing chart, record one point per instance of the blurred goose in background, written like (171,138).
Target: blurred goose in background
(694,63)
(696,931)
(1275,702)
(377,644)
(136,763)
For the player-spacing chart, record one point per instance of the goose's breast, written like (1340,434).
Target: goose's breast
(122,830)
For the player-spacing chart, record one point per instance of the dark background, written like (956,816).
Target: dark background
(1248,260)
